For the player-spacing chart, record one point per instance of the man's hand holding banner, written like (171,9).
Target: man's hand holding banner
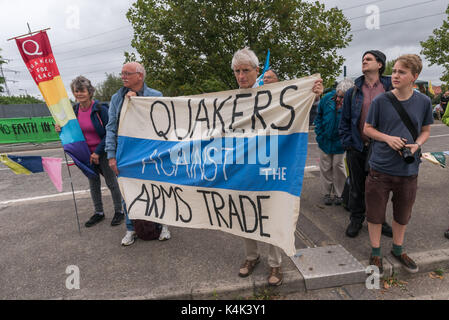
(232,161)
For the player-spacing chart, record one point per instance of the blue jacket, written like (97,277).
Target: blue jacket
(115,107)
(352,109)
(326,125)
(99,118)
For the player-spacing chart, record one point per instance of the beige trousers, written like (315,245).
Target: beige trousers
(333,173)
(274,253)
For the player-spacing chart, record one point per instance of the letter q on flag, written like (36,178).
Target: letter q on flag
(31,49)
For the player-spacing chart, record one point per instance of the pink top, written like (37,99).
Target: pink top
(92,137)
(369,93)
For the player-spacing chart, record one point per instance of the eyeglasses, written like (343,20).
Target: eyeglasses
(127,74)
(339,97)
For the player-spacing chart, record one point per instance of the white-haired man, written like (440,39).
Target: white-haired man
(332,165)
(245,65)
(133,77)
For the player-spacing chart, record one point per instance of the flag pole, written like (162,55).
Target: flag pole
(73,193)
(29,33)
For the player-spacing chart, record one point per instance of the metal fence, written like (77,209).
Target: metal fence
(24,110)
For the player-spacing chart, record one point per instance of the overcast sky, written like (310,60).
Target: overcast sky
(90,37)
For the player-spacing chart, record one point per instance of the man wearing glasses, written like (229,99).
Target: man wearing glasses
(133,77)
(270,77)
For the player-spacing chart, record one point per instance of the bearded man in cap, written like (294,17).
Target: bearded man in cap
(356,104)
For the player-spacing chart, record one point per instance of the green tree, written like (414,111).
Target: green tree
(187,46)
(105,90)
(389,68)
(22,99)
(436,47)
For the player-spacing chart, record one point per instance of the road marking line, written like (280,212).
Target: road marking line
(57,195)
(439,136)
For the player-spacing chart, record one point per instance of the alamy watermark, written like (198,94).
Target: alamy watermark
(372,22)
(373,280)
(73,19)
(73,280)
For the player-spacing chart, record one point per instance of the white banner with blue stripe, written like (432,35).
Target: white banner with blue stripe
(232,161)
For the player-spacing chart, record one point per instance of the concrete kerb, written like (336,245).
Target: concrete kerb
(255,286)
(427,261)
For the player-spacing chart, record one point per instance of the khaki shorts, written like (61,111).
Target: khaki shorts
(377,191)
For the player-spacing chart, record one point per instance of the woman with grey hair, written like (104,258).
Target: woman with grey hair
(93,117)
(332,168)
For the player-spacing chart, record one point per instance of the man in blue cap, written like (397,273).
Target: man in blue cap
(356,104)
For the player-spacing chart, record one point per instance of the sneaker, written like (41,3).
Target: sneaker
(327,200)
(446,234)
(407,262)
(94,220)
(338,201)
(248,267)
(386,230)
(165,234)
(118,218)
(275,278)
(377,262)
(353,229)
(129,238)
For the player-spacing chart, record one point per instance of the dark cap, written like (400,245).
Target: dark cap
(380,57)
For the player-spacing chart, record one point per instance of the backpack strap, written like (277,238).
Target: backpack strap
(403,114)
(99,118)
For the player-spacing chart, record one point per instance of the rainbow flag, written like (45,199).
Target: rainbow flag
(34,164)
(38,57)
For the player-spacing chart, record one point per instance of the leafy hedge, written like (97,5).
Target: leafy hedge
(22,99)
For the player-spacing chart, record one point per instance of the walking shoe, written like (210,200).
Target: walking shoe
(248,267)
(406,262)
(94,220)
(386,230)
(165,234)
(275,278)
(338,201)
(129,238)
(118,218)
(353,229)
(377,262)
(446,234)
(327,200)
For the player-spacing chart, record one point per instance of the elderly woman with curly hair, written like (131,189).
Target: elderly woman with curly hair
(93,117)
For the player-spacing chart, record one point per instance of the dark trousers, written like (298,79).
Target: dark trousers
(357,176)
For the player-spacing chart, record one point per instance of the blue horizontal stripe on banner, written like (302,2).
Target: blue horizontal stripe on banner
(71,133)
(222,163)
